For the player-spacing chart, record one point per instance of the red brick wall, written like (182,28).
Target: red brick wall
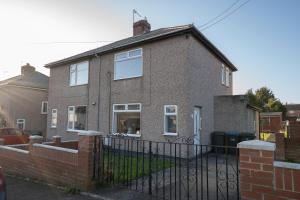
(53,166)
(260,180)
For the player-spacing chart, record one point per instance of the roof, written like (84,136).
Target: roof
(269,114)
(293,110)
(151,36)
(33,80)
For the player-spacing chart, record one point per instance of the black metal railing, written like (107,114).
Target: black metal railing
(167,170)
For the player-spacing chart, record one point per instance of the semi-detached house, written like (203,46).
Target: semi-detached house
(156,85)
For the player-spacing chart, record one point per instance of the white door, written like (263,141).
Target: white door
(197,126)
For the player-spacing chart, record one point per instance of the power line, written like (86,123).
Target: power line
(219,15)
(87,42)
(223,18)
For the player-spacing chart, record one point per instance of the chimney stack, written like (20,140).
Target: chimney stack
(141,27)
(27,69)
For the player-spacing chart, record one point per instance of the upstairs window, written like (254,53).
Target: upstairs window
(77,117)
(44,109)
(128,64)
(227,77)
(223,74)
(79,73)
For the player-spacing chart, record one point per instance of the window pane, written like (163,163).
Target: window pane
(70,117)
(128,68)
(134,107)
(171,124)
(72,78)
(54,118)
(119,107)
(45,107)
(82,73)
(134,53)
(80,118)
(227,77)
(121,56)
(171,109)
(128,123)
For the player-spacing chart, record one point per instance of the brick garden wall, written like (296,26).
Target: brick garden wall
(289,148)
(55,165)
(263,179)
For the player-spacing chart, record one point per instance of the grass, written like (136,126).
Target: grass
(122,168)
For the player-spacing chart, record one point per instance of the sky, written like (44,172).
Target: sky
(261,38)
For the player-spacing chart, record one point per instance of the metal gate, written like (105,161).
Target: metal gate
(167,170)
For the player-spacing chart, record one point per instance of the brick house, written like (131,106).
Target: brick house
(23,101)
(156,85)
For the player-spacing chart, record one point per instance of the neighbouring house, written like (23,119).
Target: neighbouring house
(293,112)
(271,122)
(233,113)
(156,85)
(23,101)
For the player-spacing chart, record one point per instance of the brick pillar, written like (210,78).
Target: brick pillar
(256,169)
(280,146)
(85,158)
(2,141)
(57,140)
(35,139)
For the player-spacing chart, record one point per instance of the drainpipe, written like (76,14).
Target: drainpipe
(98,103)
(109,101)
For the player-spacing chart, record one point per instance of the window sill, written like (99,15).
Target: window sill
(170,134)
(127,135)
(78,85)
(73,130)
(134,77)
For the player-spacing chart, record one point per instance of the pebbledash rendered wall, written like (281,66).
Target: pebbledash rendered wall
(176,71)
(263,178)
(52,164)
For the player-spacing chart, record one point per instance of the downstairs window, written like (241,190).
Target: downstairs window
(127,119)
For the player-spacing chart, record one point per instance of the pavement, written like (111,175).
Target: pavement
(24,189)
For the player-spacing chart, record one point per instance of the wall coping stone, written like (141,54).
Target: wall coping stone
(257,145)
(56,148)
(35,137)
(286,165)
(14,149)
(89,133)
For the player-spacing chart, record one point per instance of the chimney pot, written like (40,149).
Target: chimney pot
(141,27)
(27,69)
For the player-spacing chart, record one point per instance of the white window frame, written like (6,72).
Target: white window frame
(74,110)
(55,109)
(43,105)
(170,114)
(227,75)
(124,111)
(128,58)
(76,73)
(24,123)
(223,75)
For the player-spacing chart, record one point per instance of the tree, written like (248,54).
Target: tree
(265,99)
